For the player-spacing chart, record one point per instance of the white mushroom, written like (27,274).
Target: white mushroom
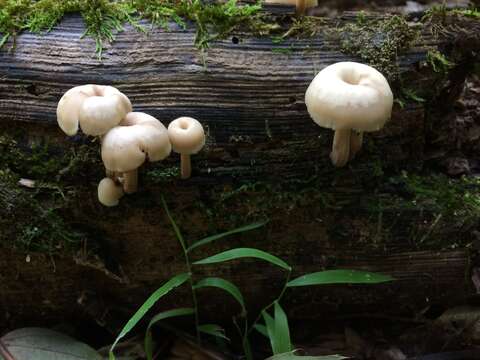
(109,192)
(125,147)
(187,137)
(96,108)
(301,5)
(349,96)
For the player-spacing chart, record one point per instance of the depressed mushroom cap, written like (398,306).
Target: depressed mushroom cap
(138,137)
(186,135)
(349,95)
(109,193)
(95,108)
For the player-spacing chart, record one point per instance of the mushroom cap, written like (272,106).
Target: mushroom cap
(108,192)
(139,135)
(186,135)
(96,108)
(349,95)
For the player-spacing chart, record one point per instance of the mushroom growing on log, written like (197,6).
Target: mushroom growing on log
(349,96)
(126,147)
(96,108)
(187,138)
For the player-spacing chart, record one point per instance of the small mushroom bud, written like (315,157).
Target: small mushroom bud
(126,147)
(95,108)
(187,137)
(346,97)
(109,192)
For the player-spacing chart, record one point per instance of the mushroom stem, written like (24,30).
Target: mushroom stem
(111,174)
(185,166)
(356,140)
(340,148)
(130,181)
(301,6)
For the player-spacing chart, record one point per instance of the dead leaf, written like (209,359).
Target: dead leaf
(43,344)
(27,183)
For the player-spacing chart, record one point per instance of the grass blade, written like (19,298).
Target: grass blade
(340,277)
(224,285)
(270,326)
(178,233)
(4,39)
(212,238)
(159,317)
(214,330)
(262,329)
(244,253)
(282,331)
(160,292)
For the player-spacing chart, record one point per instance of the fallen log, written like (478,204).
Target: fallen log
(264,159)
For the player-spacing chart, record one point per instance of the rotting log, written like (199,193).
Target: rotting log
(264,158)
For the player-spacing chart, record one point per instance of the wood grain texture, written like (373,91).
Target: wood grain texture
(247,92)
(251,102)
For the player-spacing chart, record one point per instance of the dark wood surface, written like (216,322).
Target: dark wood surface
(251,102)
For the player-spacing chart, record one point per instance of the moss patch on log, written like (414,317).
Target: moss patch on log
(104,17)
(377,42)
(364,203)
(429,212)
(32,211)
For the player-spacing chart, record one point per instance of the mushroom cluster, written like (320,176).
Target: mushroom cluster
(350,98)
(128,138)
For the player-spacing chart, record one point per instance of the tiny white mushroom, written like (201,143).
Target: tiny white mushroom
(187,137)
(301,5)
(95,108)
(349,96)
(109,192)
(126,147)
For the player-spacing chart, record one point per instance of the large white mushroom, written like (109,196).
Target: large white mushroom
(349,96)
(95,108)
(126,147)
(187,137)
(301,5)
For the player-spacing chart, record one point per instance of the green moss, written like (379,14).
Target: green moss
(438,13)
(473,13)
(439,62)
(158,174)
(377,42)
(430,212)
(457,198)
(43,161)
(105,17)
(102,17)
(443,211)
(32,218)
(410,95)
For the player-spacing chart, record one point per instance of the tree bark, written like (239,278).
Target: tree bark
(261,155)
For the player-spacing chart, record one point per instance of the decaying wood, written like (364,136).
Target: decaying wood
(250,100)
